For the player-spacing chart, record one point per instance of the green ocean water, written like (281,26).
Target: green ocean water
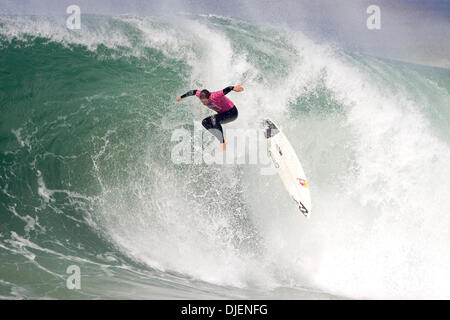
(86,176)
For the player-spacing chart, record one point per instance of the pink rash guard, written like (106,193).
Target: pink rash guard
(219,102)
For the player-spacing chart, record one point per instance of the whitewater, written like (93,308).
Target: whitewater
(86,176)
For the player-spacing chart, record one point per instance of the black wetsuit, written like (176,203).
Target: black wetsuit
(214,123)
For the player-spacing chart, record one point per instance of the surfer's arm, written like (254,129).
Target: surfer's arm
(227,89)
(187,94)
(232,88)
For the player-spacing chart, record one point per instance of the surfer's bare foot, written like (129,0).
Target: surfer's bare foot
(222,146)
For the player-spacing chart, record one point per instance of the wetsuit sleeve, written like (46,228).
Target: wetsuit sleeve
(227,89)
(189,93)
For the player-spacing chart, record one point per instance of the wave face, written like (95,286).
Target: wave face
(86,177)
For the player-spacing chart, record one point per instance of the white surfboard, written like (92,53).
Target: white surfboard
(288,166)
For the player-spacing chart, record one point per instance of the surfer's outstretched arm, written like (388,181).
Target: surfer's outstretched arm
(232,88)
(187,94)
(227,89)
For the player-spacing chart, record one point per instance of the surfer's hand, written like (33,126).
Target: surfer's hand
(238,88)
(179,99)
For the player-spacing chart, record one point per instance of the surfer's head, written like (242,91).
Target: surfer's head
(204,96)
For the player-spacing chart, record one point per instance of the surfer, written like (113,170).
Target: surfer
(225,108)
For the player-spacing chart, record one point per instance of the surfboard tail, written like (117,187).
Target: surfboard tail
(270,129)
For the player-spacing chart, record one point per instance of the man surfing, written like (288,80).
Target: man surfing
(225,108)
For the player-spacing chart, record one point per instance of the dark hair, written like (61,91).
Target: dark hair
(204,94)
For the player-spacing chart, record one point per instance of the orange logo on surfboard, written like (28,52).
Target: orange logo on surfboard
(303,182)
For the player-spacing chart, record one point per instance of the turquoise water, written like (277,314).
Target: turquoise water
(87,179)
